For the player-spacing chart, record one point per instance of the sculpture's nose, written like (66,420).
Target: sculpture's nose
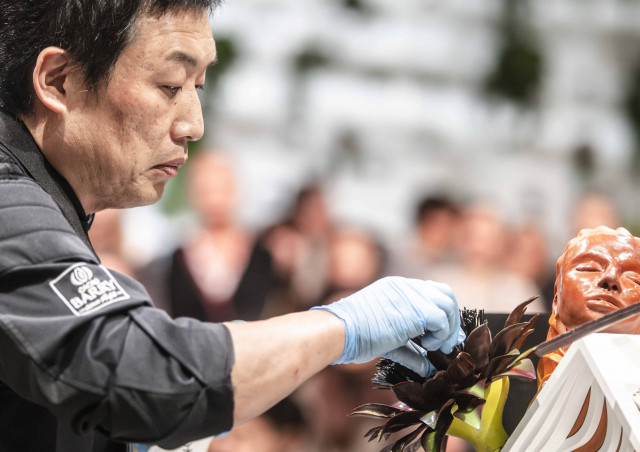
(610,279)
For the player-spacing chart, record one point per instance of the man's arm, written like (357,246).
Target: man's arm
(273,357)
(84,342)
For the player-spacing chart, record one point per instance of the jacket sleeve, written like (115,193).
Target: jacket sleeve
(86,343)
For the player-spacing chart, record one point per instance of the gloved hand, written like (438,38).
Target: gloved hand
(381,319)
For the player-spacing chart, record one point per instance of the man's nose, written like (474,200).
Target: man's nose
(189,125)
(610,279)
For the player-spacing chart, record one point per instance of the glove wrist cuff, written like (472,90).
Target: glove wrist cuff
(349,346)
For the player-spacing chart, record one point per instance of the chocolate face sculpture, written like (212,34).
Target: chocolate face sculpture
(599,272)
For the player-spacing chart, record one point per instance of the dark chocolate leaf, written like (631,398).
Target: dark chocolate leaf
(410,393)
(522,369)
(518,312)
(374,433)
(445,408)
(375,410)
(402,421)
(524,354)
(523,337)
(403,442)
(461,368)
(497,365)
(467,401)
(441,360)
(477,345)
(436,391)
(444,422)
(526,332)
(504,340)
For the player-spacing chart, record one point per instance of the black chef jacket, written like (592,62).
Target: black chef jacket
(83,354)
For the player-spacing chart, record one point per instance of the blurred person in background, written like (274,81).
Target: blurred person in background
(528,256)
(288,265)
(593,210)
(356,259)
(266,288)
(282,428)
(310,218)
(107,239)
(200,278)
(481,280)
(432,242)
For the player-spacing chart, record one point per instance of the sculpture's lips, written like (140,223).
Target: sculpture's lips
(603,303)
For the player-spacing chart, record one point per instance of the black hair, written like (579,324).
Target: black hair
(93,32)
(428,205)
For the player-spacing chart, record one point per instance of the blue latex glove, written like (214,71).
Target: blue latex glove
(381,319)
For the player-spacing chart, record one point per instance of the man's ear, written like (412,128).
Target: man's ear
(50,78)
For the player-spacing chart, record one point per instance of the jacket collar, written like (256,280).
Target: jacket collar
(19,143)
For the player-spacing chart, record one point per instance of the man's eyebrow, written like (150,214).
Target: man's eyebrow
(181,57)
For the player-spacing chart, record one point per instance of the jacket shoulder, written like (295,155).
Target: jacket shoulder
(9,169)
(32,227)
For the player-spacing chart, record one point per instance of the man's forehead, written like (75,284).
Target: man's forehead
(174,27)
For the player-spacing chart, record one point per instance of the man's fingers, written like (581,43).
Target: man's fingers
(411,358)
(456,337)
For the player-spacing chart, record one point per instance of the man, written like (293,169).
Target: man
(99,101)
(598,272)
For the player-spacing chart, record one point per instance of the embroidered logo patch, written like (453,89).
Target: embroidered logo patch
(86,289)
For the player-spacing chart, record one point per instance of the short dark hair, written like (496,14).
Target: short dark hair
(428,205)
(93,32)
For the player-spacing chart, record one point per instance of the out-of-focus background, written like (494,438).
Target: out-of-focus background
(464,141)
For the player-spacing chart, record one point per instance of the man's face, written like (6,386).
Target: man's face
(123,147)
(600,274)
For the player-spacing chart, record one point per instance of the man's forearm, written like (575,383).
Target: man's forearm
(273,357)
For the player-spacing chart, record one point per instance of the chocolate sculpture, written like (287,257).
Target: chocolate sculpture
(598,272)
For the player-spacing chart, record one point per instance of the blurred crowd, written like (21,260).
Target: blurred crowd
(223,272)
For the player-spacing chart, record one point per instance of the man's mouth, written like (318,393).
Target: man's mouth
(172,167)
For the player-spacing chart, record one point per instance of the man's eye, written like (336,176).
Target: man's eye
(200,88)
(171,90)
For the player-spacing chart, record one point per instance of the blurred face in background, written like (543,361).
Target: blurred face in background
(311,216)
(354,260)
(594,210)
(482,237)
(527,254)
(598,274)
(212,189)
(436,230)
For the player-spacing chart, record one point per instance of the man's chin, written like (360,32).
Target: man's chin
(137,199)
